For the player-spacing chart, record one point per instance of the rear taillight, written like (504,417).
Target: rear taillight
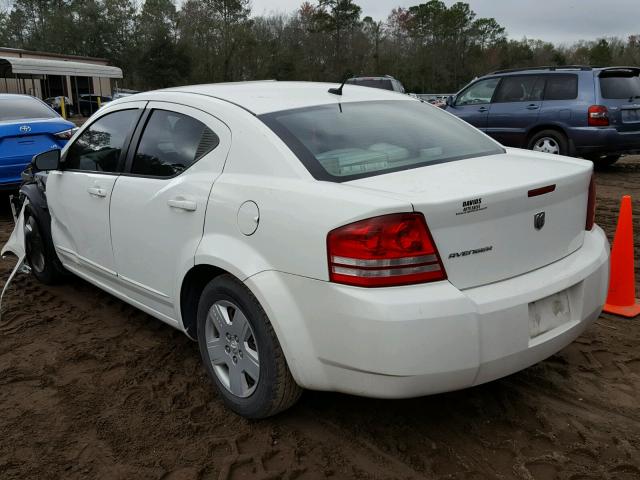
(384,251)
(67,134)
(591,206)
(598,116)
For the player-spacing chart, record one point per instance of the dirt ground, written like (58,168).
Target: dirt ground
(92,388)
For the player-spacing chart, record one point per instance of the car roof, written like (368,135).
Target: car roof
(16,95)
(268,96)
(557,70)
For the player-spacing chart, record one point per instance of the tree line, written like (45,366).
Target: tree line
(429,47)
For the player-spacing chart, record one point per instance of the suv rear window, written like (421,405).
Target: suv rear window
(561,87)
(620,85)
(340,142)
(23,108)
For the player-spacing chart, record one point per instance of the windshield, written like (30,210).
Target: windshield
(23,108)
(620,85)
(360,139)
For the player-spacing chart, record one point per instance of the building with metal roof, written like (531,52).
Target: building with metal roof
(47,75)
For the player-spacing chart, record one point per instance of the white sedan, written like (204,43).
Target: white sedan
(354,240)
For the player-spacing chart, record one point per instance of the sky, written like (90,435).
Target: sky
(558,21)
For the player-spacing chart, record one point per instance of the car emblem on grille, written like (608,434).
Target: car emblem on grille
(538,220)
(25,129)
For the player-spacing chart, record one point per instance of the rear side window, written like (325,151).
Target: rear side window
(561,87)
(98,148)
(620,85)
(23,108)
(519,89)
(171,143)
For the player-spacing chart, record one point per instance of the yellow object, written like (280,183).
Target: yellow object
(63,109)
(99,102)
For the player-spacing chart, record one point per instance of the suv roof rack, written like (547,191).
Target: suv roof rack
(551,68)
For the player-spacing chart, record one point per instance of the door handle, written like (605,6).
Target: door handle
(483,109)
(533,107)
(97,191)
(183,204)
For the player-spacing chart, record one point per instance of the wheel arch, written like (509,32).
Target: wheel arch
(555,127)
(191,289)
(546,126)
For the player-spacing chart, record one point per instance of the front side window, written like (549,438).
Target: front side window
(361,139)
(98,148)
(478,93)
(561,87)
(171,143)
(523,88)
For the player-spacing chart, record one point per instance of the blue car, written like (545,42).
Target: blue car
(28,126)
(574,110)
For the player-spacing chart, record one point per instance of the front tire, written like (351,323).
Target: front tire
(241,352)
(549,141)
(40,253)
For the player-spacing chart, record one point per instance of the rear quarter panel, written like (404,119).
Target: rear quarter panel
(296,211)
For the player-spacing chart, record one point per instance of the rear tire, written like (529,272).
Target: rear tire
(549,141)
(40,252)
(241,352)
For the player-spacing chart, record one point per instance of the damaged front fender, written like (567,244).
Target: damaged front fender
(16,246)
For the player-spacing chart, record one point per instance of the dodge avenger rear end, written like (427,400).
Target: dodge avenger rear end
(353,239)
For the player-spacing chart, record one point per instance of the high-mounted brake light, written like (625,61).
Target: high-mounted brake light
(591,206)
(598,116)
(384,251)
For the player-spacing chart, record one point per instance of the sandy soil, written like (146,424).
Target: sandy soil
(92,388)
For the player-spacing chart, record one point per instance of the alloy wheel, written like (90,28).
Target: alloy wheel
(232,348)
(547,145)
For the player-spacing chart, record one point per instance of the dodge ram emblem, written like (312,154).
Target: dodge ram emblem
(25,129)
(538,220)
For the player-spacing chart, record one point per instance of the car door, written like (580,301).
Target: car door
(472,104)
(158,204)
(78,195)
(515,109)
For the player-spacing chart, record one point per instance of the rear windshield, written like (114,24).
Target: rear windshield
(620,85)
(341,142)
(23,108)
(384,84)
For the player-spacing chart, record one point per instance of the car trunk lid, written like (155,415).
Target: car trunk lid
(498,216)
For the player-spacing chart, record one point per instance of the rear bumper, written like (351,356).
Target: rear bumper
(594,140)
(423,339)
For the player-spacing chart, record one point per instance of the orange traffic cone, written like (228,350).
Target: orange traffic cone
(621,299)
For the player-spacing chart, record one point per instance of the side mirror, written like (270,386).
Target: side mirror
(46,161)
(451,99)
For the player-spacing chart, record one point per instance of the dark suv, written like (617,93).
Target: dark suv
(574,110)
